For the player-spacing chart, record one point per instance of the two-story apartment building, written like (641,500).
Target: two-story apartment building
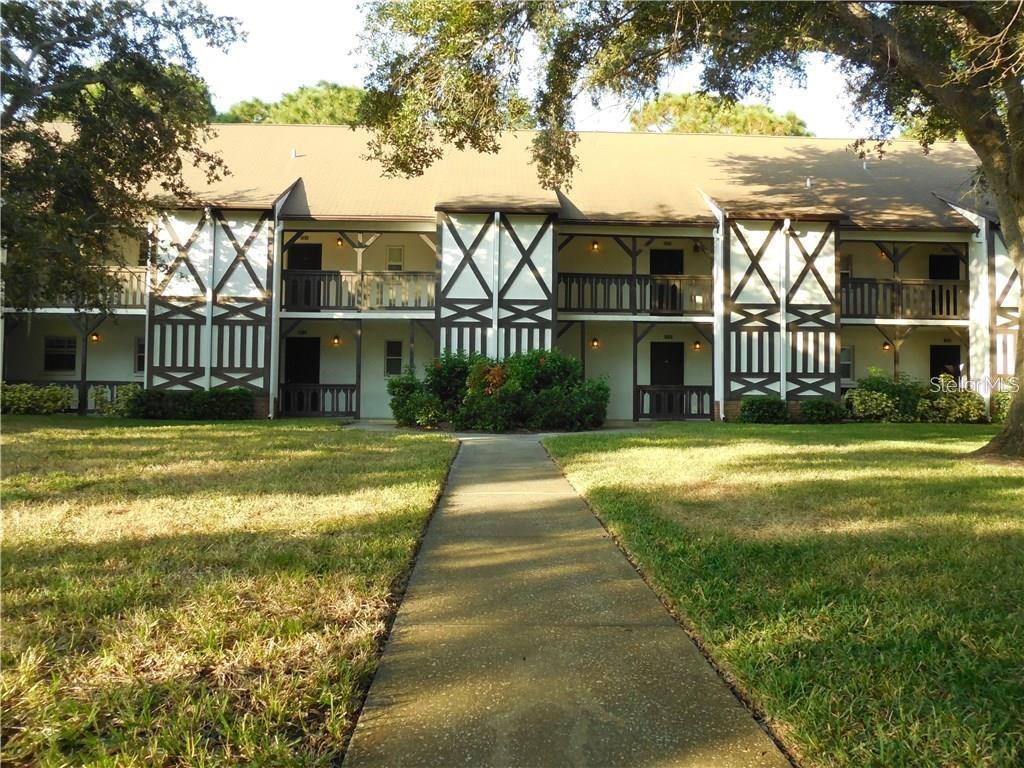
(690,270)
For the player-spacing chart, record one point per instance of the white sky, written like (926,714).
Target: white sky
(286,48)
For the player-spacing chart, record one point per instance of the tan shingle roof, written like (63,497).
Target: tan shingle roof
(622,177)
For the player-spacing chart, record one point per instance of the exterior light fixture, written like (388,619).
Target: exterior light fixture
(697,346)
(886,346)
(340,241)
(94,337)
(595,343)
(594,246)
(336,341)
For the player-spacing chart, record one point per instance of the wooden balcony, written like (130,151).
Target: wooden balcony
(904,298)
(319,399)
(128,293)
(673,403)
(654,294)
(313,290)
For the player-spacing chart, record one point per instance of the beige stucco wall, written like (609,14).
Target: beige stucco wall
(867,260)
(419,256)
(112,358)
(915,360)
(613,358)
(610,258)
(338,364)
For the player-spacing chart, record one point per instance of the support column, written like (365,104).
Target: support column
(274,374)
(359,368)
(83,384)
(412,344)
(583,347)
(636,401)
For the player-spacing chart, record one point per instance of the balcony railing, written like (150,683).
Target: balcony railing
(312,290)
(319,399)
(909,299)
(129,291)
(655,294)
(674,402)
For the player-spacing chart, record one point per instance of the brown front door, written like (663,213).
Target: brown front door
(945,358)
(306,256)
(302,360)
(667,363)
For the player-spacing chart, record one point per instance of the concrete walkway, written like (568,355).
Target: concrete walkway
(526,639)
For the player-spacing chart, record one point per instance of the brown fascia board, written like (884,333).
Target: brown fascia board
(708,221)
(854,227)
(484,207)
(353,217)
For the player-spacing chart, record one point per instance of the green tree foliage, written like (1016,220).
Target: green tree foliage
(447,73)
(704,113)
(121,75)
(321,104)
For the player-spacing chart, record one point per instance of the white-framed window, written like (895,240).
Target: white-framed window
(139,365)
(60,353)
(396,258)
(846,363)
(392,358)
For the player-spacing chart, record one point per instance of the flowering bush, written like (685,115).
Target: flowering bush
(543,389)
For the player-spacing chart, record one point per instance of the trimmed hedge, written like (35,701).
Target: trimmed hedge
(879,397)
(537,390)
(119,407)
(33,399)
(763,409)
(822,410)
(1001,406)
(218,404)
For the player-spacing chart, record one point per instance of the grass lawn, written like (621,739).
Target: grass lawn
(201,594)
(863,585)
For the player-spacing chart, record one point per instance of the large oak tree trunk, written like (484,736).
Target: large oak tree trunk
(1010,204)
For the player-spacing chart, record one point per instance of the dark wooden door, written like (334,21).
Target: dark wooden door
(665,291)
(302,360)
(667,363)
(666,261)
(943,266)
(306,256)
(945,358)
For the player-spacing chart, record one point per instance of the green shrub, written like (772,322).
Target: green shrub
(426,409)
(543,369)
(950,404)
(1000,407)
(870,405)
(403,390)
(543,389)
(903,391)
(822,410)
(763,409)
(100,397)
(123,398)
(32,399)
(229,404)
(446,378)
(218,404)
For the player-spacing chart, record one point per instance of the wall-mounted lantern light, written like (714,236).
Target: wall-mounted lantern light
(594,246)
(697,346)
(886,346)
(595,343)
(340,241)
(94,337)
(335,341)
